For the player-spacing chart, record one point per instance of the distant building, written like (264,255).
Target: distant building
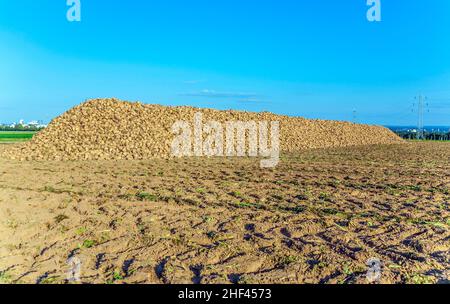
(34,124)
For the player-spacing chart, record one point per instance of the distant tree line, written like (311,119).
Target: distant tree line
(426,136)
(19,128)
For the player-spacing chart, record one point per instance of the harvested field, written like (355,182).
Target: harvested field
(106,129)
(12,136)
(316,218)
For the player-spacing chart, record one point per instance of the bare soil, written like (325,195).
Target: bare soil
(316,218)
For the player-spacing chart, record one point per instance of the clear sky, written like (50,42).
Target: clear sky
(317,59)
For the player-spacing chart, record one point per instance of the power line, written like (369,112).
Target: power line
(440,99)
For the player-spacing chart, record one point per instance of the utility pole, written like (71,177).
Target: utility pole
(354,116)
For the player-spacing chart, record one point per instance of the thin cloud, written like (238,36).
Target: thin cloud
(193,81)
(253,100)
(216,94)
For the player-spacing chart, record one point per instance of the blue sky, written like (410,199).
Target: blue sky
(317,59)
